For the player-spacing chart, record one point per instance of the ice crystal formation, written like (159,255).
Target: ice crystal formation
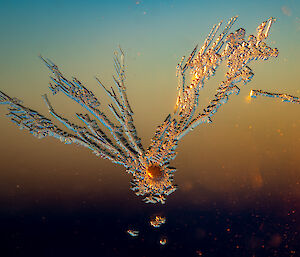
(157,221)
(133,233)
(150,169)
(283,97)
(163,240)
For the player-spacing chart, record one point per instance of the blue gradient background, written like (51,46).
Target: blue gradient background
(245,162)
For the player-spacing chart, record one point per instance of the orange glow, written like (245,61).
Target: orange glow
(248,98)
(257,181)
(251,93)
(154,172)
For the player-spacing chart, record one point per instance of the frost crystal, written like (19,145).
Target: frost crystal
(133,233)
(163,240)
(282,97)
(157,221)
(152,175)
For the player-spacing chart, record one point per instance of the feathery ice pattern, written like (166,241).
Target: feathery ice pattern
(152,175)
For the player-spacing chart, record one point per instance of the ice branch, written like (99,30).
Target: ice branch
(80,94)
(238,53)
(125,117)
(40,126)
(283,97)
(94,142)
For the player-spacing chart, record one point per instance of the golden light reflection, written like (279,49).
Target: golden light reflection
(248,98)
(154,172)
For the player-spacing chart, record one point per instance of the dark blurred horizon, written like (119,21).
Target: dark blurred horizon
(100,230)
